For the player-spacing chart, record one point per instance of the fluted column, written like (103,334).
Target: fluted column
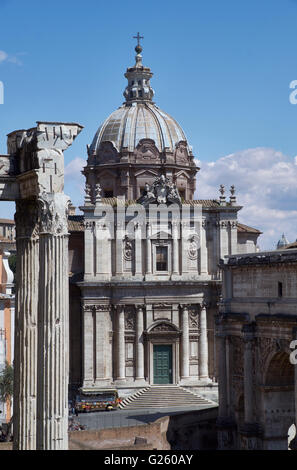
(121,356)
(185,343)
(139,343)
(25,355)
(203,344)
(53,321)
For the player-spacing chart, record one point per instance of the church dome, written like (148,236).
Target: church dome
(138,143)
(139,118)
(134,121)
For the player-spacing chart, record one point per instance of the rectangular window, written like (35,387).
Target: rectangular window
(161,258)
(280,289)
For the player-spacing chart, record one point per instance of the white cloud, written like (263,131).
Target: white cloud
(265,182)
(3,56)
(75,181)
(10,58)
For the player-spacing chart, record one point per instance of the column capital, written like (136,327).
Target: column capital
(102,308)
(184,306)
(140,307)
(26,219)
(204,305)
(53,213)
(119,307)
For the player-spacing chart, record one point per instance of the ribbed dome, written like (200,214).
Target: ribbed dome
(126,126)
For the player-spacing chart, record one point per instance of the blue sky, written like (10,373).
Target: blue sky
(221,68)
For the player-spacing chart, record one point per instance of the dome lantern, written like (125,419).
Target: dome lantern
(139,88)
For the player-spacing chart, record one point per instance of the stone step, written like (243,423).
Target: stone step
(164,397)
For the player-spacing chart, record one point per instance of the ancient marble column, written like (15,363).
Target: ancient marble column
(139,343)
(26,320)
(121,353)
(185,343)
(53,324)
(203,344)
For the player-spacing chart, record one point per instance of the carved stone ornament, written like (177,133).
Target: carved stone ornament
(53,213)
(162,191)
(26,219)
(147,150)
(130,320)
(163,327)
(193,318)
(98,192)
(193,247)
(128,249)
(181,151)
(5,165)
(107,153)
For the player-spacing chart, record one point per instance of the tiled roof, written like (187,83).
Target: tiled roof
(76,223)
(246,229)
(204,202)
(291,246)
(7,221)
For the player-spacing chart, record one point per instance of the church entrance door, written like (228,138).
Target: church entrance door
(162,364)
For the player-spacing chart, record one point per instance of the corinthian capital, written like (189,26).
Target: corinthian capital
(53,213)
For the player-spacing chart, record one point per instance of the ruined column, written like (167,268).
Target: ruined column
(53,324)
(25,354)
(36,182)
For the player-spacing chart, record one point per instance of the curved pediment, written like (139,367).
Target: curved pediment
(163,326)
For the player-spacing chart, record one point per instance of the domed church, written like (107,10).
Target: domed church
(144,276)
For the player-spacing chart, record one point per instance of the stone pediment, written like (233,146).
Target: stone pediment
(147,173)
(161,236)
(163,327)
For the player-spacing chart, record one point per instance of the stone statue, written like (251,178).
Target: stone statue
(162,191)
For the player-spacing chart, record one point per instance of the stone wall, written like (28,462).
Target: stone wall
(186,431)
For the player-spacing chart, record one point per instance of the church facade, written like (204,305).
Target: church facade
(144,258)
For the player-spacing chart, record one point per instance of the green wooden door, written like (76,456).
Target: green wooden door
(162,364)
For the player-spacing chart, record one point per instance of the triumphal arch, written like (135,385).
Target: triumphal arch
(32,175)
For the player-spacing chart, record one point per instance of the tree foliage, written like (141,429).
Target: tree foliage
(6,383)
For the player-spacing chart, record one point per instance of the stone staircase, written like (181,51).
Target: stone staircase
(164,396)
